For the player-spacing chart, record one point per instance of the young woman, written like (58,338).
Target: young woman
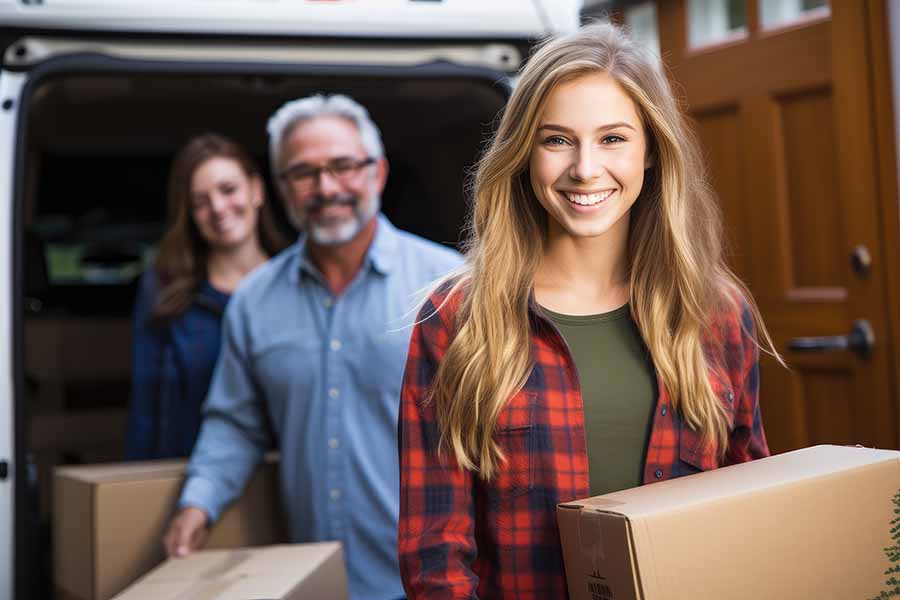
(220,229)
(594,341)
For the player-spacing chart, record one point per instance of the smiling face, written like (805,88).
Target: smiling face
(588,157)
(337,204)
(225,203)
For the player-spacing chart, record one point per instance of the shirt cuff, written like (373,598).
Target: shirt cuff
(201,493)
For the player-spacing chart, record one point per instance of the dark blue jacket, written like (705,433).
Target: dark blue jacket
(172,365)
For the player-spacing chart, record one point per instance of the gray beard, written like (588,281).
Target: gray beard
(335,235)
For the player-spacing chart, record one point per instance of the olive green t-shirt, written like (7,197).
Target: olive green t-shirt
(618,389)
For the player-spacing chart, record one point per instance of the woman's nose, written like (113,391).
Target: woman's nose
(217,203)
(586,165)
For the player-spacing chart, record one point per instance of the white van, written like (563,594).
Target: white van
(95,97)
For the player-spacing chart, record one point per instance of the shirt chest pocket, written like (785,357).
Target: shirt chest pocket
(693,451)
(385,355)
(515,434)
(293,354)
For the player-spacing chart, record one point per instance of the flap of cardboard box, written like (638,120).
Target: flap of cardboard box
(599,553)
(791,468)
(113,472)
(282,572)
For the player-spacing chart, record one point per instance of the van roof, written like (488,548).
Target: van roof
(479,19)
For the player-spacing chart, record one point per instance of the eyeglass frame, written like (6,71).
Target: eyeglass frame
(316,172)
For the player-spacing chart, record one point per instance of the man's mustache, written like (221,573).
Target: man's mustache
(319,201)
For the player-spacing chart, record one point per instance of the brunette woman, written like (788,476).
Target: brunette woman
(595,340)
(220,229)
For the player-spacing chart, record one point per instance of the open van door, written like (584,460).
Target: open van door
(95,97)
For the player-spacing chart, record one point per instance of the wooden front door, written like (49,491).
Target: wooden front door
(785,118)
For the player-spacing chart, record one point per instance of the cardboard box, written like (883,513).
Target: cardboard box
(822,522)
(287,572)
(108,522)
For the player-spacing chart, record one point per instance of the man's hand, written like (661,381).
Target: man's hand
(187,532)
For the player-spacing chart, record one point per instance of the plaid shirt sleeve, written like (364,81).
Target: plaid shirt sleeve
(436,541)
(748,439)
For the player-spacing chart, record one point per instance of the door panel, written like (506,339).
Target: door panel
(831,389)
(720,131)
(786,123)
(807,142)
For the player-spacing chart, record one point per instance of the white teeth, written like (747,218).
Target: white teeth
(588,199)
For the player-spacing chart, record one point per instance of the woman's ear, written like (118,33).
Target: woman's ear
(381,173)
(651,148)
(257,191)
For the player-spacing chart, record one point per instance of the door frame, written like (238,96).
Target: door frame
(12,488)
(883,23)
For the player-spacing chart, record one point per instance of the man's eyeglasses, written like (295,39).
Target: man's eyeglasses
(306,177)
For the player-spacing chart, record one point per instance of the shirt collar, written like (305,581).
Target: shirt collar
(381,255)
(383,251)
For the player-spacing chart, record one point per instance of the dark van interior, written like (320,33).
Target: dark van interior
(97,152)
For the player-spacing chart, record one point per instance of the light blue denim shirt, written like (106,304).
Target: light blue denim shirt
(323,374)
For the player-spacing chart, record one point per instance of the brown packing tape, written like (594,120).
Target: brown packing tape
(599,563)
(205,566)
(230,561)
(207,590)
(590,538)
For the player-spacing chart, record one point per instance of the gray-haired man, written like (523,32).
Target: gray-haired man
(314,343)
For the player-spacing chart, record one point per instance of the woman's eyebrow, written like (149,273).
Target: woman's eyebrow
(616,125)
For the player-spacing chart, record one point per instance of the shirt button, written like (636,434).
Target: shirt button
(334,392)
(658,474)
(730,397)
(335,494)
(327,302)
(333,443)
(335,345)
(664,410)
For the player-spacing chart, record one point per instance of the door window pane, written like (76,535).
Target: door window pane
(641,20)
(716,21)
(777,13)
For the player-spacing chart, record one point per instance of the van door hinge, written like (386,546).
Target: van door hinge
(4,470)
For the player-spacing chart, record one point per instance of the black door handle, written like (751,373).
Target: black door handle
(860,340)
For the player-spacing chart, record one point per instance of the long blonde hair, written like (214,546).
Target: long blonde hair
(678,277)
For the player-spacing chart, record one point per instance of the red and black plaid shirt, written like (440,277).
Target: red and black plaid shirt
(461,537)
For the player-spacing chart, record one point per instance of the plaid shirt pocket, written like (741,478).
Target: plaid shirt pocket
(691,447)
(515,435)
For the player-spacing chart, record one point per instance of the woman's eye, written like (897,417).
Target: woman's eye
(228,189)
(612,139)
(555,140)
